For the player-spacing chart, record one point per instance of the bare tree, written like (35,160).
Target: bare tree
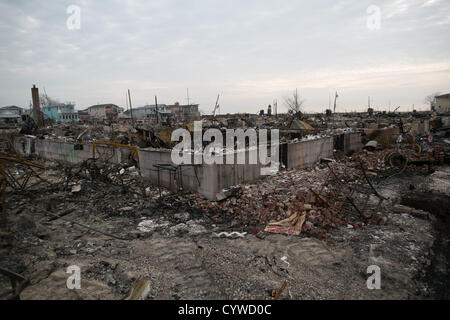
(430,99)
(294,102)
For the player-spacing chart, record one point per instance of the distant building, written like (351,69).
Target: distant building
(442,103)
(148,112)
(10,114)
(187,112)
(84,116)
(61,112)
(13,109)
(104,111)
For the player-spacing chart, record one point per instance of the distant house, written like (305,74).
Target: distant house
(14,109)
(148,112)
(104,111)
(84,116)
(189,111)
(61,112)
(442,103)
(9,116)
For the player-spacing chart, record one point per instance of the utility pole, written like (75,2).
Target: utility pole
(215,106)
(156,110)
(131,107)
(335,97)
(329,101)
(188,96)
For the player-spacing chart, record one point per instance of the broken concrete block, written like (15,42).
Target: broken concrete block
(182,216)
(76,188)
(150,225)
(398,208)
(126,209)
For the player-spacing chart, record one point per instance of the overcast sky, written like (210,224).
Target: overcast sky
(250,51)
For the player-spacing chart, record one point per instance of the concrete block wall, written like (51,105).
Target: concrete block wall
(62,151)
(221,176)
(24,146)
(306,153)
(65,151)
(206,179)
(149,157)
(352,142)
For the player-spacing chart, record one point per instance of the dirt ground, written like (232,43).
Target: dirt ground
(184,258)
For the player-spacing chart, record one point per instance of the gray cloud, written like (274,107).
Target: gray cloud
(251,52)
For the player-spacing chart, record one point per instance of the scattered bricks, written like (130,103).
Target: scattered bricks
(357,225)
(308,225)
(323,235)
(310,197)
(367,215)
(318,193)
(217,219)
(398,208)
(298,205)
(355,239)
(254,230)
(304,228)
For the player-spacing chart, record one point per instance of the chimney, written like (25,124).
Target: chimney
(36,106)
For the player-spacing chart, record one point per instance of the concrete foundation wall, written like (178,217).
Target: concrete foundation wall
(62,151)
(306,153)
(66,151)
(206,179)
(352,142)
(24,146)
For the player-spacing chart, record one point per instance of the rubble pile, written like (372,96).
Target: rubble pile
(326,194)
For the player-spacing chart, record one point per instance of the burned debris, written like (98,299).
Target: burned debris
(351,190)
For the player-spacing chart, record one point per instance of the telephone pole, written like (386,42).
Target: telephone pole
(131,107)
(156,110)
